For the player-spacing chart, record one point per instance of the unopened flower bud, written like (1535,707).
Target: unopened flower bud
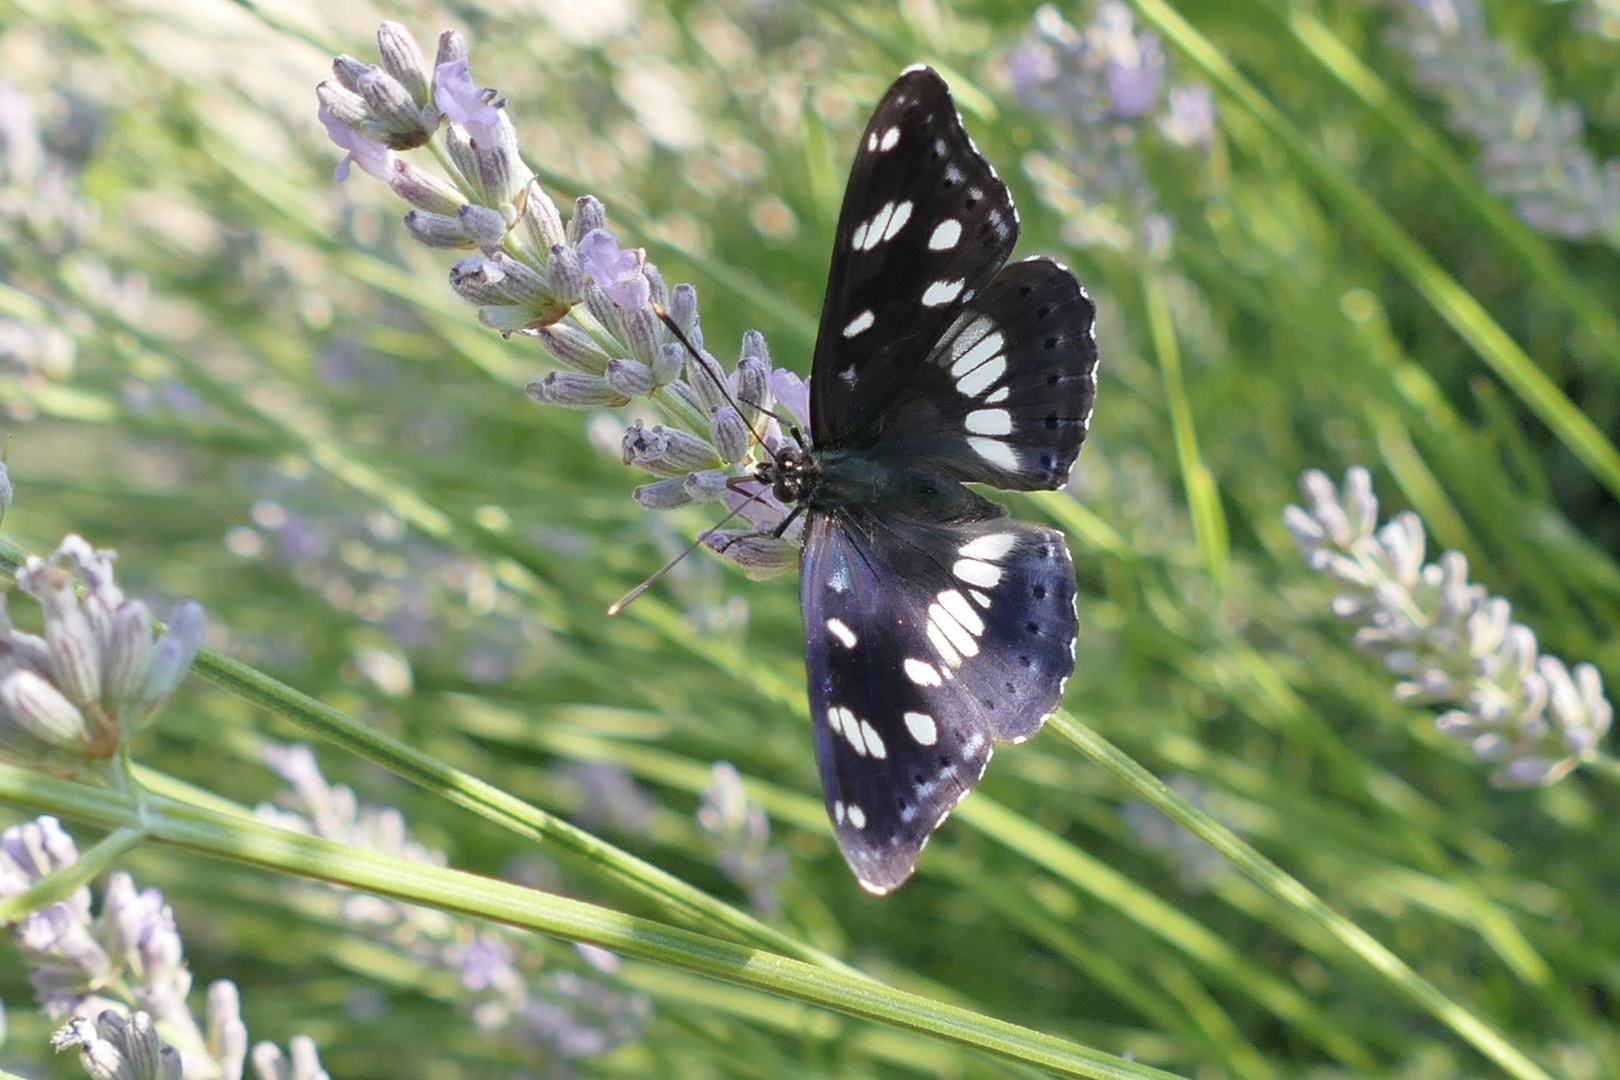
(753,387)
(574,390)
(541,219)
(500,280)
(564,275)
(403,60)
(666,451)
(399,116)
(452,47)
(487,227)
(589,215)
(759,556)
(667,367)
(657,290)
(704,374)
(574,347)
(129,653)
(729,434)
(227,1035)
(603,310)
(683,309)
(437,231)
(630,377)
(663,494)
(708,485)
(344,105)
(422,189)
(30,701)
(458,145)
(171,661)
(641,329)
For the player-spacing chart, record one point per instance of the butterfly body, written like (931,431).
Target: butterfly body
(935,625)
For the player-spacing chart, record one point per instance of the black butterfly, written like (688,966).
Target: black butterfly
(934,625)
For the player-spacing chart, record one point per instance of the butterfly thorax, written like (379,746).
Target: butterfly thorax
(836,479)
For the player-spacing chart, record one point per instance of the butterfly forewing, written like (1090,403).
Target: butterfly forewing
(1005,397)
(925,643)
(924,227)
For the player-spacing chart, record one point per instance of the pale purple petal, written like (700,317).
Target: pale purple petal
(463,102)
(763,510)
(375,158)
(616,272)
(793,394)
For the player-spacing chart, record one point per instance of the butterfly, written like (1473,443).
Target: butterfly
(935,626)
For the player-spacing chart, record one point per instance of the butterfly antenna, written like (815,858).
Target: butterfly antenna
(624,601)
(720,383)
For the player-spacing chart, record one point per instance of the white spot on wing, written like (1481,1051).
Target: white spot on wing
(989,422)
(857,816)
(921,672)
(981,348)
(945,235)
(860,324)
(955,603)
(942,644)
(941,293)
(999,394)
(872,142)
(922,728)
(976,572)
(840,630)
(838,810)
(890,138)
(979,598)
(994,451)
(839,581)
(979,379)
(874,741)
(960,638)
(897,221)
(990,546)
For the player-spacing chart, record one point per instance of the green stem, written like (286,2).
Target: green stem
(257,844)
(1292,892)
(57,887)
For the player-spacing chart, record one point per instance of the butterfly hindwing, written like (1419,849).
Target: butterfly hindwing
(925,644)
(925,225)
(1005,397)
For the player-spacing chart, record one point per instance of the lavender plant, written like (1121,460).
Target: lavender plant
(563,1016)
(120,978)
(1451,642)
(1104,86)
(595,307)
(1531,149)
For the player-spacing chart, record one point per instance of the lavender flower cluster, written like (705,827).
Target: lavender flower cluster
(72,698)
(1105,86)
(1450,642)
(567,1016)
(120,978)
(1531,150)
(596,308)
(741,835)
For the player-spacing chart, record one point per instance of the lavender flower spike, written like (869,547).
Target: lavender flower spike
(112,1047)
(1450,641)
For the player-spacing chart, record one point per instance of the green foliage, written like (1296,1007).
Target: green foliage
(276,405)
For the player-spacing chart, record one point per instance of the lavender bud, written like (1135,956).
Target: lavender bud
(227,1035)
(688,398)
(6,490)
(487,227)
(171,658)
(564,275)
(348,71)
(603,310)
(452,47)
(729,434)
(630,377)
(574,390)
(403,60)
(574,347)
(500,280)
(657,290)
(437,231)
(753,387)
(704,374)
(589,215)
(541,219)
(759,556)
(392,104)
(708,485)
(422,189)
(129,651)
(495,168)
(641,333)
(667,367)
(345,106)
(683,309)
(663,494)
(31,702)
(458,145)
(666,451)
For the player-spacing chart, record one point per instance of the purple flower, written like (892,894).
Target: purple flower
(464,103)
(375,158)
(793,394)
(616,272)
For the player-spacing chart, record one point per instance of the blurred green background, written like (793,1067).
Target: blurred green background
(251,383)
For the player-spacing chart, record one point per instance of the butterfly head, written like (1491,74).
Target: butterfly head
(792,477)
